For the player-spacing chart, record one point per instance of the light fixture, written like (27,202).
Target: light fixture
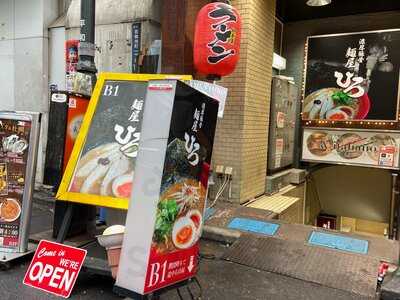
(318,2)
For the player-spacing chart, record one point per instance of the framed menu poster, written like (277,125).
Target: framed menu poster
(352,147)
(101,167)
(19,135)
(352,77)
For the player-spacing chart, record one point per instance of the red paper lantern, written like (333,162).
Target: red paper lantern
(217,39)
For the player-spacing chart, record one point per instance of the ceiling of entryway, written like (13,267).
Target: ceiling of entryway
(296,10)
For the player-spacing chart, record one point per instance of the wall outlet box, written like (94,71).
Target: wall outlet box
(229,171)
(219,169)
(298,176)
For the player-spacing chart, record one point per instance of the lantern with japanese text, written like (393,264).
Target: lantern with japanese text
(217,39)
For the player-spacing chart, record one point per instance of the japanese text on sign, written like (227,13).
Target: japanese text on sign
(223,15)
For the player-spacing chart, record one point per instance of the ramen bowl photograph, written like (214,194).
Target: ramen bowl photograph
(10,210)
(335,105)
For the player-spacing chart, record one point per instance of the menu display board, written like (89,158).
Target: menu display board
(18,137)
(352,77)
(102,163)
(363,148)
(165,216)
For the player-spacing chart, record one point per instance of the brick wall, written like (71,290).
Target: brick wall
(241,138)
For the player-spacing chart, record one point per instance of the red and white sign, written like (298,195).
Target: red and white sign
(164,221)
(386,156)
(55,268)
(164,270)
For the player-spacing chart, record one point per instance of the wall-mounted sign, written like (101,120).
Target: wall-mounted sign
(214,91)
(71,62)
(352,76)
(102,163)
(136,45)
(164,222)
(19,134)
(55,268)
(352,147)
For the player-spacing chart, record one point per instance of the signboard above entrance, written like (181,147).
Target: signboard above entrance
(352,80)
(350,147)
(102,163)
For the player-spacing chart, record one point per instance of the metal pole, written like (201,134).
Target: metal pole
(87,66)
(87,37)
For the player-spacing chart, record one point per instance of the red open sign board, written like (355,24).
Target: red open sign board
(55,268)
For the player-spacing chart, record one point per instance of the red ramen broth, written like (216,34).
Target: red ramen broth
(337,116)
(184,235)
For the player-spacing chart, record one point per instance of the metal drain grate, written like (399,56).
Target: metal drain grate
(348,272)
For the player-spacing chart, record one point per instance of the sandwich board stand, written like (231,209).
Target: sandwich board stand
(160,248)
(100,169)
(19,136)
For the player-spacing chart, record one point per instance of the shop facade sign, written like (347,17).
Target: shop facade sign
(55,268)
(164,221)
(19,135)
(136,45)
(352,147)
(102,163)
(352,77)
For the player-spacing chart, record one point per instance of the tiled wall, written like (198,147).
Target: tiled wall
(241,138)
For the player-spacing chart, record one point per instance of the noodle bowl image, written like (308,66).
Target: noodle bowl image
(336,105)
(10,210)
(378,141)
(320,143)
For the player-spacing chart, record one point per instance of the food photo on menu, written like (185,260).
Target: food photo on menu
(363,147)
(106,164)
(179,211)
(352,77)
(182,199)
(14,137)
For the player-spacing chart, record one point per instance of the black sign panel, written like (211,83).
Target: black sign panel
(107,160)
(352,77)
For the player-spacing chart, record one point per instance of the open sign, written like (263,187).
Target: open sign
(55,268)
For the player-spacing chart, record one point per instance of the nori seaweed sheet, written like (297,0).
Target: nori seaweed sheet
(176,165)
